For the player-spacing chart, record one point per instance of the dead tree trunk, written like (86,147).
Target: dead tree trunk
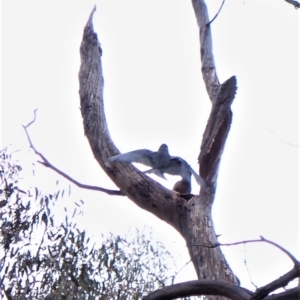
(191,218)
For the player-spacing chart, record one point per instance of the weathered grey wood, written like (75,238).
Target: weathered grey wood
(191,218)
(208,67)
(142,190)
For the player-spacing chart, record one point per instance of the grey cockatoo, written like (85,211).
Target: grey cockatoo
(157,160)
(161,162)
(179,166)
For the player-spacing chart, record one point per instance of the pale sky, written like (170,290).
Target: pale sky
(154,94)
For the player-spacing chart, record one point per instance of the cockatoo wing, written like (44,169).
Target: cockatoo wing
(161,162)
(157,172)
(199,179)
(142,156)
(178,166)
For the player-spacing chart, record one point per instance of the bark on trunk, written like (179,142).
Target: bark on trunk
(191,218)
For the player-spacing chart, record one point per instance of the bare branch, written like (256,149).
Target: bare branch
(216,14)
(295,261)
(47,164)
(282,139)
(180,270)
(291,294)
(200,287)
(226,289)
(34,118)
(262,239)
(295,3)
(246,266)
(208,69)
(219,244)
(216,131)
(81,185)
(282,281)
(274,285)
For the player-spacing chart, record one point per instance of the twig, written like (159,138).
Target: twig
(34,118)
(282,281)
(47,164)
(41,243)
(216,14)
(292,257)
(228,244)
(282,139)
(180,270)
(247,269)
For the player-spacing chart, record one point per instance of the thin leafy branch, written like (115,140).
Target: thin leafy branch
(44,259)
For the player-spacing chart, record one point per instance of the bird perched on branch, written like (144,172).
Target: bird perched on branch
(161,162)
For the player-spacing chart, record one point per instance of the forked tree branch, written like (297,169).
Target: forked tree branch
(282,281)
(144,191)
(232,291)
(221,96)
(141,189)
(45,162)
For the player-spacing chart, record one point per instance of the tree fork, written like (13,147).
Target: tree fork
(191,218)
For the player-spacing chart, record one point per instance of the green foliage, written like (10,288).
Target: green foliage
(44,260)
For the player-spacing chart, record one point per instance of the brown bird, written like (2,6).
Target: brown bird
(182,187)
